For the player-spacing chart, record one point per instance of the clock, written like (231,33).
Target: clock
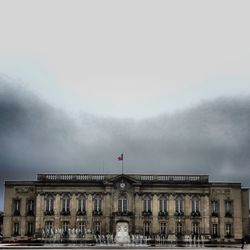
(122,185)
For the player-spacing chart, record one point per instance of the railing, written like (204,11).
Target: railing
(136,177)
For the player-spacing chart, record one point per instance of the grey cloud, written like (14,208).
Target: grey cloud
(211,138)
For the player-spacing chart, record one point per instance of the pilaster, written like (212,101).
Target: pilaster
(89,212)
(39,213)
(155,210)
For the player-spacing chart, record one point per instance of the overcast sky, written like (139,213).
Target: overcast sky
(165,82)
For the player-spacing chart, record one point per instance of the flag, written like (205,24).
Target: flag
(120,158)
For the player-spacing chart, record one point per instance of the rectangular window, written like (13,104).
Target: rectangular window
(30,228)
(30,207)
(215,230)
(228,208)
(97,228)
(179,228)
(146,228)
(16,228)
(122,205)
(228,230)
(48,227)
(16,207)
(81,228)
(195,228)
(163,228)
(215,208)
(65,226)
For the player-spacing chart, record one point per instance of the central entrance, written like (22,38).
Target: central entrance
(122,234)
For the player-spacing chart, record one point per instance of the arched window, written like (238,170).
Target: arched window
(49,203)
(195,204)
(147,203)
(81,205)
(97,205)
(123,203)
(65,205)
(179,205)
(162,204)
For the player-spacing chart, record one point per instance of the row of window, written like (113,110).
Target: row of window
(30,229)
(30,207)
(122,206)
(146,228)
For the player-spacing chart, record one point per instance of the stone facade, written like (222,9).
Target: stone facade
(151,205)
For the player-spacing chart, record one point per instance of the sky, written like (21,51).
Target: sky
(165,82)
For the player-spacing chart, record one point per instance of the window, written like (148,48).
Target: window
(81,205)
(228,209)
(122,204)
(97,203)
(30,207)
(195,206)
(215,208)
(81,228)
(49,205)
(179,228)
(98,228)
(163,227)
(146,228)
(48,227)
(215,230)
(228,230)
(16,228)
(16,207)
(163,204)
(65,205)
(30,230)
(195,228)
(179,206)
(147,204)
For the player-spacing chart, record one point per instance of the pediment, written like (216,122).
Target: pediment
(124,178)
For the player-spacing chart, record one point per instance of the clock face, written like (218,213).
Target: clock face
(122,185)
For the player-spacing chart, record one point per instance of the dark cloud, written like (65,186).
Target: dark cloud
(211,138)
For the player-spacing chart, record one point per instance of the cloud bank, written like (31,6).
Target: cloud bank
(209,138)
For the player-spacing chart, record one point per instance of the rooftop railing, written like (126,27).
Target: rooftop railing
(107,177)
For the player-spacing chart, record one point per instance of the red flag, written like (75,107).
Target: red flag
(120,158)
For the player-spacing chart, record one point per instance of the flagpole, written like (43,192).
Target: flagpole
(122,163)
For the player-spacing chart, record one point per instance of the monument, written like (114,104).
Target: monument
(122,235)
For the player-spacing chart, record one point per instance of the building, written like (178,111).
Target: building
(166,205)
